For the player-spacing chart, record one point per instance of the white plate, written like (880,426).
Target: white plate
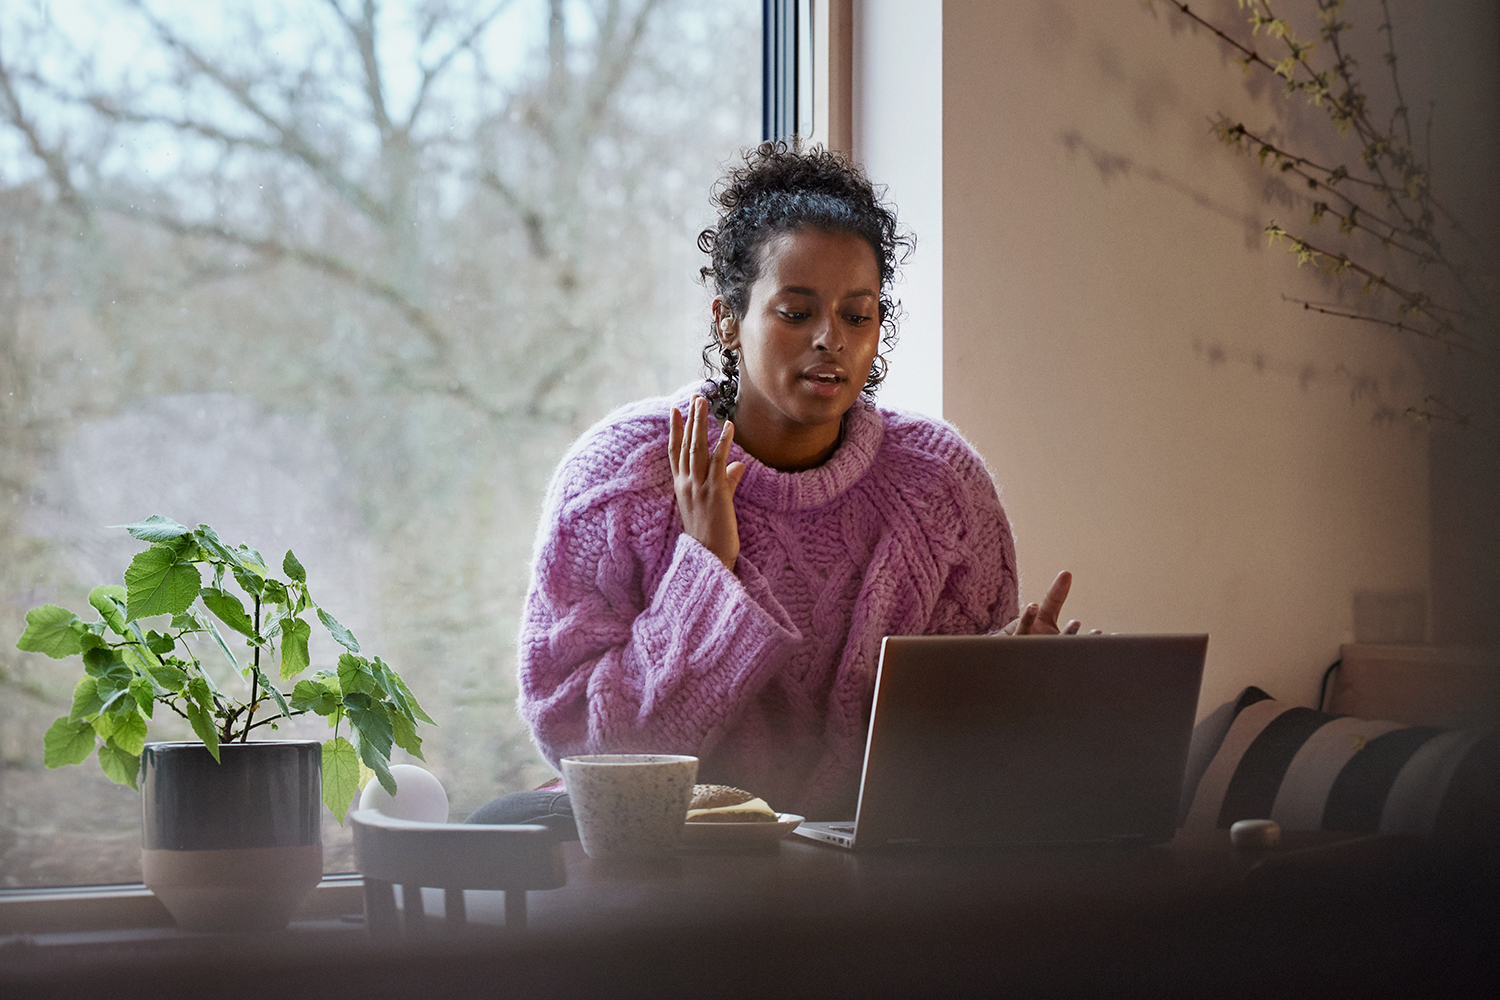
(738,834)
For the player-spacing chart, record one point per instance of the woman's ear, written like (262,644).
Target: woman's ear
(726,327)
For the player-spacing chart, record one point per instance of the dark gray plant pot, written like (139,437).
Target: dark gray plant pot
(235,844)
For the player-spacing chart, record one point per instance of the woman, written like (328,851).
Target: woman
(715,571)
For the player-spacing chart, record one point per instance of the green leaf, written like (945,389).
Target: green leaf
(400,701)
(340,634)
(318,694)
(199,711)
(138,657)
(112,660)
(49,629)
(68,743)
(218,552)
(86,700)
(171,677)
(250,569)
(160,585)
(99,659)
(404,731)
(385,683)
(270,625)
(374,735)
(271,689)
(143,695)
(199,693)
(292,568)
(111,676)
(219,638)
(129,734)
(120,766)
(372,722)
(355,676)
(411,700)
(294,656)
(155,529)
(109,600)
(160,644)
(203,727)
(229,610)
(378,764)
(198,669)
(249,580)
(340,776)
(275,593)
(103,725)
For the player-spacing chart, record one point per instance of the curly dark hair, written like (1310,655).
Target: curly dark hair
(779,189)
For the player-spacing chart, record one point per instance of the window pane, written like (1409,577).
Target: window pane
(341,286)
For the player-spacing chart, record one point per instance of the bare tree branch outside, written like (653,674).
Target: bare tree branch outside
(344,276)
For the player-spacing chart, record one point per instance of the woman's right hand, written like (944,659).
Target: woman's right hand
(1042,620)
(705,480)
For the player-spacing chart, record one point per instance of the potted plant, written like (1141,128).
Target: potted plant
(231,837)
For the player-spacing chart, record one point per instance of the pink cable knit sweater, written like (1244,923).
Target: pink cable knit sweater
(635,638)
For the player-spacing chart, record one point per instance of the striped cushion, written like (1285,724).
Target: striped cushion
(1312,771)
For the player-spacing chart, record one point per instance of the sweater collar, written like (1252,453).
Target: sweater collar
(771,489)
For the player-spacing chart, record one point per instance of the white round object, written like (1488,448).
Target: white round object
(1255,833)
(419,796)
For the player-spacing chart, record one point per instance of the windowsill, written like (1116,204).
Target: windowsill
(133,907)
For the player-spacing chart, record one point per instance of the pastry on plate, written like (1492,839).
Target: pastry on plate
(723,804)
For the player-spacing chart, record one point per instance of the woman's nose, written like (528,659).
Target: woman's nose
(827,336)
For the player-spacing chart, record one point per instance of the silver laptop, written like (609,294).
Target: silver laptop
(1021,740)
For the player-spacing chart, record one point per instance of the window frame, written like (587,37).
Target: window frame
(779,65)
(807,60)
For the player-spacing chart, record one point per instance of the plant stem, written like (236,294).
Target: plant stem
(1294,164)
(254,677)
(1390,59)
(1447,334)
(226,733)
(273,720)
(1365,317)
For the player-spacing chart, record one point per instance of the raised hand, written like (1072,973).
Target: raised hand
(1042,620)
(705,481)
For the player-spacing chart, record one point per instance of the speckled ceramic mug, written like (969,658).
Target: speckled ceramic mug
(630,805)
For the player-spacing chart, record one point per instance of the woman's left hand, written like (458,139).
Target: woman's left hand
(1042,620)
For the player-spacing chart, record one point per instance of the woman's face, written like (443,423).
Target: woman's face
(806,341)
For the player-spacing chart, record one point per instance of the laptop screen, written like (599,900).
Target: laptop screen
(1028,739)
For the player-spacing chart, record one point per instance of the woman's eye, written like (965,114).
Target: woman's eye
(793,315)
(856,319)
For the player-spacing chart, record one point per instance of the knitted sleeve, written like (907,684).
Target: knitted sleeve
(967,532)
(634,637)
(980,593)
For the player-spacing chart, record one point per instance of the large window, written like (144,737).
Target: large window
(344,277)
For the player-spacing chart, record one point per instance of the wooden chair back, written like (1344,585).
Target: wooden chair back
(452,857)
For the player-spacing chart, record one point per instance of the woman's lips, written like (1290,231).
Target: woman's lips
(825,385)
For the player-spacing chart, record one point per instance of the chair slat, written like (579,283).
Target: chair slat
(453,910)
(452,857)
(414,915)
(381,916)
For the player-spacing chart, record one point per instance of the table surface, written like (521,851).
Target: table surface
(1322,914)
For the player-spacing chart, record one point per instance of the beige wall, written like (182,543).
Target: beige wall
(1202,455)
